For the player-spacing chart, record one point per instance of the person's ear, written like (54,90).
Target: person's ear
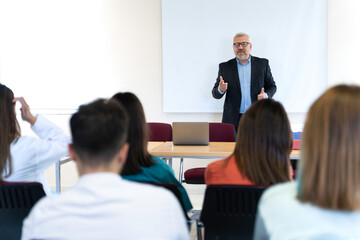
(72,153)
(123,153)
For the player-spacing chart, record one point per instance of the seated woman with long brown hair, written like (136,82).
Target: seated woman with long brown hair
(262,150)
(140,166)
(324,201)
(24,158)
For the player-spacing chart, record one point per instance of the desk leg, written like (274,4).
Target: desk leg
(181,169)
(168,161)
(57,176)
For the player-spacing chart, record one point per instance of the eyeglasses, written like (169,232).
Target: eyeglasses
(243,44)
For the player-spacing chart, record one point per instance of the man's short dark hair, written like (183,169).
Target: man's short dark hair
(99,130)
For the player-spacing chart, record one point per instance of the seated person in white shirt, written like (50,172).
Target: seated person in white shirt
(324,202)
(24,158)
(102,205)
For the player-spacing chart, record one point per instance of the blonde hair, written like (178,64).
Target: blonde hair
(330,155)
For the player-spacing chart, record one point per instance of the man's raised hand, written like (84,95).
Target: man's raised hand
(223,85)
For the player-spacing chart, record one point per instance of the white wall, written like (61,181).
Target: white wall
(195,63)
(135,33)
(140,56)
(343,42)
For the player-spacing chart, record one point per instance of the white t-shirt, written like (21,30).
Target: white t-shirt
(104,206)
(281,216)
(31,156)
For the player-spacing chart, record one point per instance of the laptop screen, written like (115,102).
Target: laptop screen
(191,133)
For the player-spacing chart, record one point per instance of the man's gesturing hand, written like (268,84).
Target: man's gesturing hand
(262,94)
(223,85)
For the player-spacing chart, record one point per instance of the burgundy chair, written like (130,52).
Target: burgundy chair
(218,132)
(221,132)
(159,132)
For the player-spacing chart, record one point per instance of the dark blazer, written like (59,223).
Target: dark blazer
(261,77)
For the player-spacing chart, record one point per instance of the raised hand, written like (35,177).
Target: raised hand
(262,94)
(223,85)
(26,115)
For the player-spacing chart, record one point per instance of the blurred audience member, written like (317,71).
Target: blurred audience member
(140,165)
(102,205)
(24,158)
(262,150)
(324,202)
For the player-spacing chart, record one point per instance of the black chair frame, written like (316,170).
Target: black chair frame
(16,201)
(229,211)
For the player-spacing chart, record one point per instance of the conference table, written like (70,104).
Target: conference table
(167,151)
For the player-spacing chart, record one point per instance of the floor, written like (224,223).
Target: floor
(196,192)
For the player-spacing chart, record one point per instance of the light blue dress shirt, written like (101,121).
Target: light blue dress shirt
(244,72)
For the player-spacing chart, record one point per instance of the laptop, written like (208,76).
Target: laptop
(190,133)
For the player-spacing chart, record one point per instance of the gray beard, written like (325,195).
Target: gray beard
(241,57)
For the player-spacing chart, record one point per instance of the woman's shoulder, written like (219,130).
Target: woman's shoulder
(23,143)
(159,166)
(279,192)
(160,163)
(220,164)
(158,160)
(159,172)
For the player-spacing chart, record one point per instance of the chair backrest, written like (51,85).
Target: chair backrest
(229,211)
(160,132)
(16,201)
(221,132)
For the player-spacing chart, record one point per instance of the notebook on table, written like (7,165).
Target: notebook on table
(190,133)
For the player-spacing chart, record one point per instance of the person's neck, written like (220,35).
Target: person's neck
(110,168)
(243,61)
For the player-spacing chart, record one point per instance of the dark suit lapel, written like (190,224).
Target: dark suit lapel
(236,74)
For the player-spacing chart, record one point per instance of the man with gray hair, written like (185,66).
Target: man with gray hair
(243,79)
